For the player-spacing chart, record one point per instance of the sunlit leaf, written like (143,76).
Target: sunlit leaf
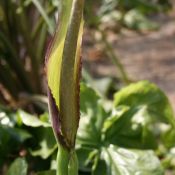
(93,116)
(141,114)
(30,120)
(127,162)
(148,95)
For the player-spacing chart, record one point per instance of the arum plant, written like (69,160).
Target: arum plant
(63,62)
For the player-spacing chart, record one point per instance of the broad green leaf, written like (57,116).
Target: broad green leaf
(131,129)
(149,95)
(135,122)
(30,120)
(115,160)
(63,71)
(145,112)
(18,167)
(92,106)
(88,98)
(130,162)
(93,116)
(116,114)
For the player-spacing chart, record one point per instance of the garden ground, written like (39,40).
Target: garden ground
(150,55)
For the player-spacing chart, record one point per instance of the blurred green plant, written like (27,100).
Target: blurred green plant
(95,12)
(134,133)
(25,26)
(138,127)
(118,14)
(139,119)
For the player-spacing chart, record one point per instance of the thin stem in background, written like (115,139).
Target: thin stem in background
(40,22)
(30,48)
(8,81)
(13,60)
(44,15)
(113,57)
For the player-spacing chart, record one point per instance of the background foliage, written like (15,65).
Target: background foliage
(137,126)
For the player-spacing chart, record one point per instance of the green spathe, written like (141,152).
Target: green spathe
(63,74)
(63,68)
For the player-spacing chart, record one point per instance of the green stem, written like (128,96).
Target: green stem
(73,164)
(63,158)
(67,161)
(113,57)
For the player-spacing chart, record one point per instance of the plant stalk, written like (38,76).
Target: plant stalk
(63,157)
(67,161)
(114,58)
(73,163)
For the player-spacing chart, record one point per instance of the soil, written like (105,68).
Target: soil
(150,55)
